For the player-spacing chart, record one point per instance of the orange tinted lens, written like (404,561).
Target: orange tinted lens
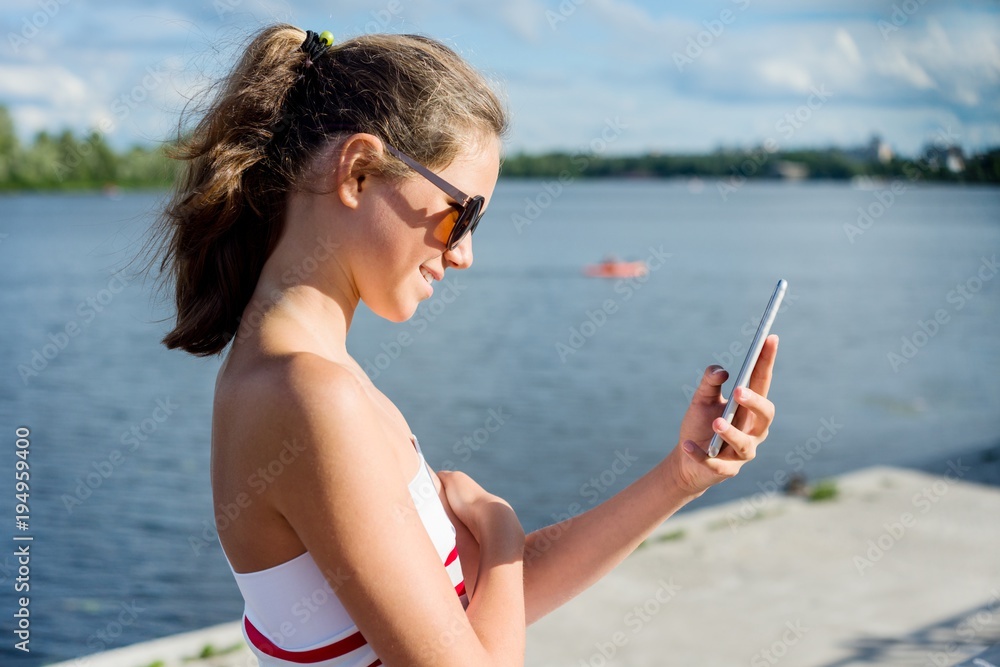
(443,230)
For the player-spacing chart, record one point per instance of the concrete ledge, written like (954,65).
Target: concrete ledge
(899,569)
(177,651)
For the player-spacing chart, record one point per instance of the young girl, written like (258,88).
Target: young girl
(322,175)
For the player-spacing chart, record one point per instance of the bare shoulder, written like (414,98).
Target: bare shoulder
(296,395)
(344,497)
(278,428)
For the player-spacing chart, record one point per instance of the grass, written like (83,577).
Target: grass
(666,537)
(825,489)
(210,651)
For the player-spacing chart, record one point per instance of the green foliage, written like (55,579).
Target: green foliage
(732,167)
(823,490)
(210,651)
(69,162)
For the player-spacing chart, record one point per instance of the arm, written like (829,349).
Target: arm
(563,560)
(347,500)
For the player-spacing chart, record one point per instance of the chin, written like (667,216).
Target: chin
(397,310)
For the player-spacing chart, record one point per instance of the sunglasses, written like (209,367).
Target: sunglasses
(470,209)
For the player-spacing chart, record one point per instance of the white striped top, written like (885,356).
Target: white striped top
(293,617)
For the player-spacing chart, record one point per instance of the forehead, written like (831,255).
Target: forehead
(475,170)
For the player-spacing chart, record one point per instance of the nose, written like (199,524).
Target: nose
(460,256)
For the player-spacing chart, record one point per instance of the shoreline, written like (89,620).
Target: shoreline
(892,570)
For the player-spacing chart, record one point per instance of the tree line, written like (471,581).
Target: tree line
(932,164)
(65,161)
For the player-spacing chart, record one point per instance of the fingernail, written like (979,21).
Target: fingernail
(689,446)
(718,370)
(721,428)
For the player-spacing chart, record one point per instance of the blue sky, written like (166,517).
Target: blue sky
(672,77)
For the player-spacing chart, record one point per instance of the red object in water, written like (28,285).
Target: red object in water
(616,270)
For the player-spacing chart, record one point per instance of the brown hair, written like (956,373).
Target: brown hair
(255,142)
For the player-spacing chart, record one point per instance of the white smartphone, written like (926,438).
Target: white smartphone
(743,379)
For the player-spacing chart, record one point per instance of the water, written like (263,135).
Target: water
(124,550)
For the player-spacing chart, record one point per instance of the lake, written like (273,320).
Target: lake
(521,371)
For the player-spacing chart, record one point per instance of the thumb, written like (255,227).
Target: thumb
(692,450)
(710,388)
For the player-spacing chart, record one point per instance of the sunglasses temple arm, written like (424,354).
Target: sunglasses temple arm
(442,184)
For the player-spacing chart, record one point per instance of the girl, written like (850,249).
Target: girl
(320,176)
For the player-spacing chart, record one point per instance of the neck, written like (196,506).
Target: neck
(304,299)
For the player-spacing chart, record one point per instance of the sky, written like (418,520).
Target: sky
(614,76)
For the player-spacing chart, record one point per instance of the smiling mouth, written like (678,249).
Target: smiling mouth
(428,276)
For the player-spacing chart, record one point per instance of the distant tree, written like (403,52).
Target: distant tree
(8,137)
(8,147)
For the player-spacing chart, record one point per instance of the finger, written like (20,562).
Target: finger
(756,406)
(710,388)
(743,446)
(760,379)
(719,466)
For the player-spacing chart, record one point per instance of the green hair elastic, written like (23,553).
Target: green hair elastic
(316,45)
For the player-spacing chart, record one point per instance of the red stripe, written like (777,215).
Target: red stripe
(328,652)
(451,557)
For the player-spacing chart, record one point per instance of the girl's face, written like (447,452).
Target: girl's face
(404,254)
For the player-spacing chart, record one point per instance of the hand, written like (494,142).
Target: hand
(489,518)
(689,465)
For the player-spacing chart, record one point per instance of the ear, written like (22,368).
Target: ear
(353,169)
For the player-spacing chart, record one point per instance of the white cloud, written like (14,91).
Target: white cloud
(607,58)
(847,46)
(45,97)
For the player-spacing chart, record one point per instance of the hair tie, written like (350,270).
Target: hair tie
(316,45)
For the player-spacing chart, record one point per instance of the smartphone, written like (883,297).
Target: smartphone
(743,379)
